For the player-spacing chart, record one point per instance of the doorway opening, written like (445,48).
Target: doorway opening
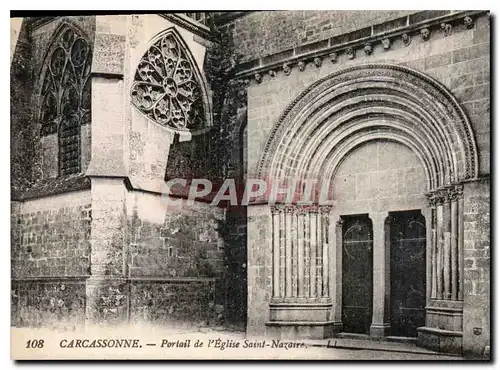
(408,272)
(357,274)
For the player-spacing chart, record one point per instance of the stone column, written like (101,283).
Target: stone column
(336,283)
(325,216)
(276,251)
(439,251)
(381,269)
(446,246)
(300,253)
(313,239)
(288,251)
(460,246)
(282,252)
(454,249)
(428,215)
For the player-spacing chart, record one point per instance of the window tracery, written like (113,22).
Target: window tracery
(166,89)
(66,98)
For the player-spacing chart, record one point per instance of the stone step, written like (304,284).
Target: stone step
(373,345)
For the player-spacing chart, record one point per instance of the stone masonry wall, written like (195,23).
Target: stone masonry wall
(262,33)
(477,271)
(175,261)
(50,259)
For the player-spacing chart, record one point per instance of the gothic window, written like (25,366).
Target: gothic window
(66,96)
(166,88)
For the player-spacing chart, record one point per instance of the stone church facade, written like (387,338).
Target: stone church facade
(390,108)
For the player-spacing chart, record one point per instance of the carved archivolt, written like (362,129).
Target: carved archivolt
(371,102)
(167,86)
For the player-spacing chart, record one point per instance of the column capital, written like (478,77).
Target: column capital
(444,194)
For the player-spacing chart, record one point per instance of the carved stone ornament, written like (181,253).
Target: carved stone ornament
(272,73)
(317,62)
(301,65)
(350,53)
(386,43)
(166,88)
(258,78)
(406,39)
(333,57)
(368,49)
(469,22)
(446,27)
(425,33)
(287,69)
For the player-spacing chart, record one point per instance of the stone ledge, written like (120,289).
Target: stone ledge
(53,186)
(299,323)
(440,340)
(437,331)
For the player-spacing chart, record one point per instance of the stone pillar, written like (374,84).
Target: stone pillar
(288,252)
(429,252)
(460,232)
(300,253)
(381,272)
(454,249)
(107,288)
(325,215)
(446,247)
(336,266)
(313,238)
(276,251)
(439,251)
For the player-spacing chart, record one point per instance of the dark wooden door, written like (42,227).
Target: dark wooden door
(407,273)
(357,274)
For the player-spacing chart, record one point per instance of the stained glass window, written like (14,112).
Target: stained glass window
(66,96)
(166,88)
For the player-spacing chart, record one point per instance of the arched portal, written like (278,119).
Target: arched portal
(317,132)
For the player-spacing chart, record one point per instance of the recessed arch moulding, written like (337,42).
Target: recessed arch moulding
(316,132)
(371,102)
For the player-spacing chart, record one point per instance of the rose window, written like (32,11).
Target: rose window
(165,87)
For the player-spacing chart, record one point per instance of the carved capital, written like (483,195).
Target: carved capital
(277,209)
(325,209)
(433,198)
(456,192)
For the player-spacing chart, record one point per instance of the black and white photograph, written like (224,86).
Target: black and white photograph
(242,185)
